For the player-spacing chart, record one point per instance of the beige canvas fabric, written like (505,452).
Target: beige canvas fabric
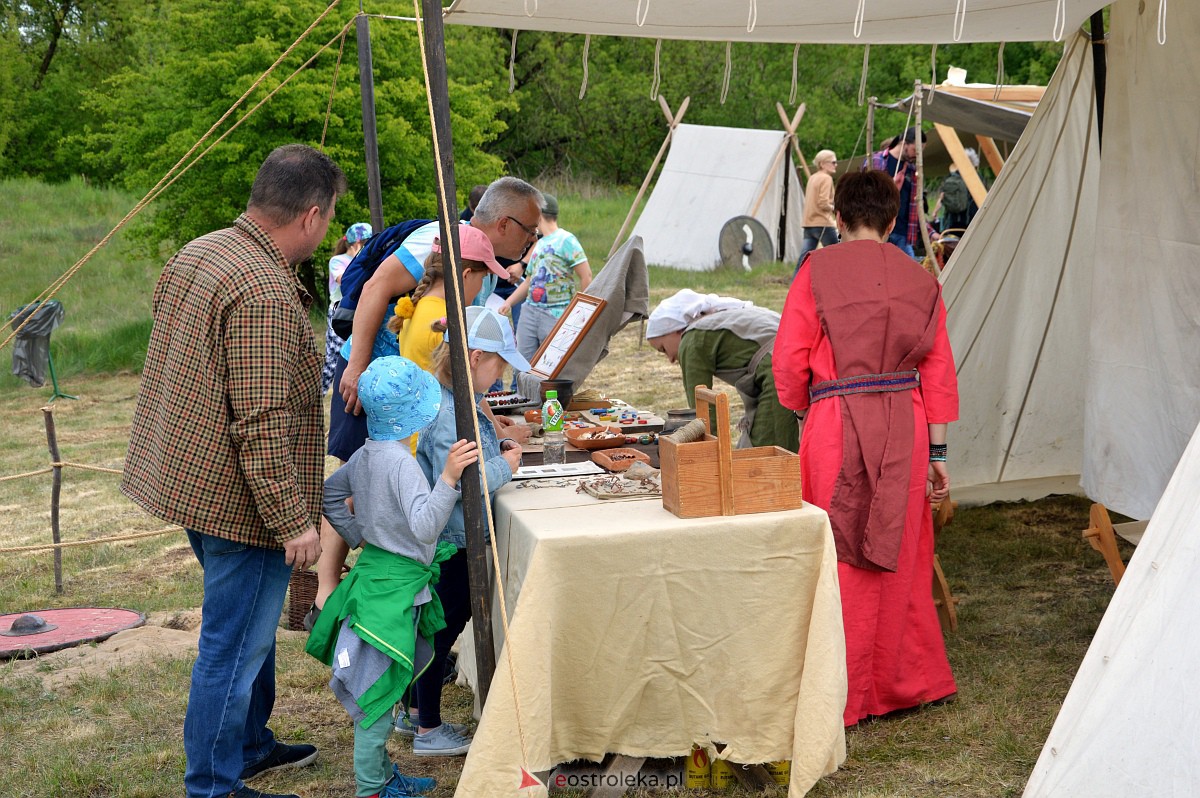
(1017,294)
(786,21)
(711,175)
(1128,726)
(1143,369)
(640,633)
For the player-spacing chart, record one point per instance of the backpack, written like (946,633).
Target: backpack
(955,197)
(359,270)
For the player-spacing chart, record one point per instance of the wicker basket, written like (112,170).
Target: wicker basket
(302,591)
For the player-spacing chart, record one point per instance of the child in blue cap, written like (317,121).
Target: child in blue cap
(377,628)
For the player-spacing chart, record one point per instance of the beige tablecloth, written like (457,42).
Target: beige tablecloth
(639,633)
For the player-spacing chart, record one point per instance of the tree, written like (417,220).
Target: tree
(201,62)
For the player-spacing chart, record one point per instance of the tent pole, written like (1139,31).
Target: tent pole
(366,82)
(870,128)
(1100,69)
(919,178)
(672,123)
(464,405)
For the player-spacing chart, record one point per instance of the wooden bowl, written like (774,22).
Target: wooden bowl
(618,459)
(576,438)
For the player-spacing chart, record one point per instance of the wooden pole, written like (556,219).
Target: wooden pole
(919,179)
(987,146)
(366,82)
(1100,72)
(672,123)
(958,154)
(464,400)
(870,128)
(55,494)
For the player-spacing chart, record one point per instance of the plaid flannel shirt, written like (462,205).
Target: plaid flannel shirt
(228,435)
(907,221)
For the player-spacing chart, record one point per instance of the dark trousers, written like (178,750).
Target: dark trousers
(454,589)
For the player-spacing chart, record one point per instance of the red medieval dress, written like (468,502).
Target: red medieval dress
(859,320)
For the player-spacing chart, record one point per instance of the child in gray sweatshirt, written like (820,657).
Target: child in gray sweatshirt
(375,629)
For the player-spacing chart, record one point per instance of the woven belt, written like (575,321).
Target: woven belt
(865,383)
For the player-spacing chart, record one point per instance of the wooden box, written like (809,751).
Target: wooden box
(708,477)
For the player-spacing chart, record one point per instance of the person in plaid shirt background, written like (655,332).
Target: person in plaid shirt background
(228,442)
(899,160)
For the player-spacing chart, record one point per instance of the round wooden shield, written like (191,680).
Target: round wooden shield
(54,629)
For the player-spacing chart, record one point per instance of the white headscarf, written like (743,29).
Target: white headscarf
(676,312)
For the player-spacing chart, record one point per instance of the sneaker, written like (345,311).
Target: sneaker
(442,741)
(401,786)
(281,757)
(250,792)
(406,726)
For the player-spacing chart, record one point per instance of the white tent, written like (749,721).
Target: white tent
(711,175)
(1072,300)
(1127,726)
(1018,293)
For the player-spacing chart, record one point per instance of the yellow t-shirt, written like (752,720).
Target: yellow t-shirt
(417,340)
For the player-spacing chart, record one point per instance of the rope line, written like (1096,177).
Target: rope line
(639,16)
(587,48)
(333,88)
(57,285)
(11,477)
(654,83)
(1060,20)
(933,69)
(1162,21)
(512,61)
(795,73)
(999,73)
(752,17)
(960,18)
(728,71)
(455,287)
(862,83)
(859,15)
(93,542)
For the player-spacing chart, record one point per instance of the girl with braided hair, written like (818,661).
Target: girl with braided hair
(420,319)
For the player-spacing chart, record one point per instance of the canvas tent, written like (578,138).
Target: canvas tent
(1073,314)
(711,175)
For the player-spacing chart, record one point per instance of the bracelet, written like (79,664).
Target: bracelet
(937,452)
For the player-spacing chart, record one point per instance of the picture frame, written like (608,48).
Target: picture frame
(564,339)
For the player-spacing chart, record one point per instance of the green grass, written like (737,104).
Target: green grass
(44,230)
(1032,592)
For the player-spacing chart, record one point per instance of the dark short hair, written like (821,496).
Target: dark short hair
(867,199)
(294,178)
(475,196)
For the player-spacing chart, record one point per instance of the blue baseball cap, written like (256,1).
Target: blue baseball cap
(398,397)
(489,331)
(360,231)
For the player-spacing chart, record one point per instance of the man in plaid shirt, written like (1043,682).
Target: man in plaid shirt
(227,441)
(899,161)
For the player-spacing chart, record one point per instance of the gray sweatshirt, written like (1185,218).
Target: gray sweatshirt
(394,508)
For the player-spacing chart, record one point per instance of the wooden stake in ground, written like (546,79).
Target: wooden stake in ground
(55,494)
(672,123)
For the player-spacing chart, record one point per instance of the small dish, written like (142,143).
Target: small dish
(590,437)
(618,459)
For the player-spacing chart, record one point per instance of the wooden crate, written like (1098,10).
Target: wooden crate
(708,477)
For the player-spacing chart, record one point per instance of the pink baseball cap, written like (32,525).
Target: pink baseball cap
(474,244)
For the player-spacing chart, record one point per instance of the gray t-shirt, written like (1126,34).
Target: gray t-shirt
(394,507)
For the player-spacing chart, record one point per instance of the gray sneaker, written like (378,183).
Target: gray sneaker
(406,726)
(442,741)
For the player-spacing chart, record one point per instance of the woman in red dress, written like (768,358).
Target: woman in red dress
(863,359)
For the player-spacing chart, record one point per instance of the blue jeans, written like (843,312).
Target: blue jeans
(233,680)
(536,324)
(901,241)
(826,236)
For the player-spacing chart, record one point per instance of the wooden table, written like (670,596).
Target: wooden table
(635,632)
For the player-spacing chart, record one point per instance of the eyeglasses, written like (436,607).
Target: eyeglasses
(532,232)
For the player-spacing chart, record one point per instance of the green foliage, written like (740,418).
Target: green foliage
(613,132)
(153,112)
(44,230)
